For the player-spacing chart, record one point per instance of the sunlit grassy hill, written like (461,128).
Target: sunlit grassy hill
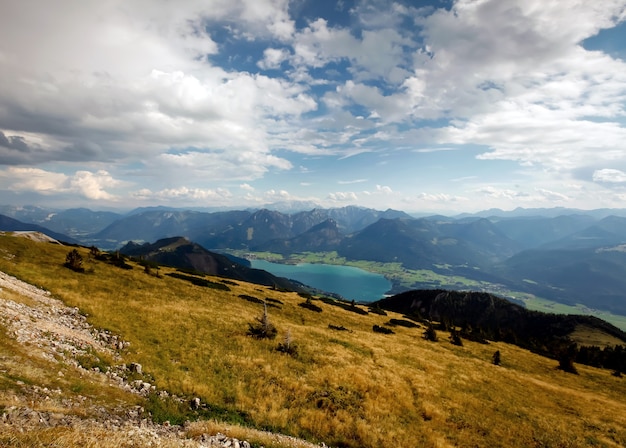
(346,385)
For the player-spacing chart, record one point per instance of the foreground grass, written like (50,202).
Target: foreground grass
(352,388)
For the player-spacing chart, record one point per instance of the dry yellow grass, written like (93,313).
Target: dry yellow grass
(356,388)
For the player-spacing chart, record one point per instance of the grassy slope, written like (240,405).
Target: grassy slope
(355,388)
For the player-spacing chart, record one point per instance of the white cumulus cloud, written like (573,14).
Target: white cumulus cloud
(609,175)
(343,196)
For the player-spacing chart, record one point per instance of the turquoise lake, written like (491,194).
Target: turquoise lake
(350,282)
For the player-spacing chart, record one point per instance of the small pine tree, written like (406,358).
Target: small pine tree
(566,359)
(74,261)
(262,328)
(430,334)
(496,358)
(94,252)
(455,337)
(288,346)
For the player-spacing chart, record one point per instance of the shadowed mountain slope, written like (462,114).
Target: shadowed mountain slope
(533,231)
(424,243)
(484,315)
(156,224)
(319,238)
(609,231)
(181,253)
(593,277)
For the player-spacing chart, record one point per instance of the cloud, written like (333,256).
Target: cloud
(533,87)
(389,108)
(349,182)
(342,196)
(184,194)
(380,51)
(609,175)
(440,198)
(87,184)
(273,58)
(277,195)
(538,195)
(92,185)
(15,149)
(317,44)
(33,179)
(553,196)
(503,193)
(115,82)
(463,178)
(217,165)
(531,91)
(13,142)
(428,150)
(180,98)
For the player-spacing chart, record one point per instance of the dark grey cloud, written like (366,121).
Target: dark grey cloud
(14,150)
(13,142)
(17,150)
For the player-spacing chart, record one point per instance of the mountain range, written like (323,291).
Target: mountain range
(566,255)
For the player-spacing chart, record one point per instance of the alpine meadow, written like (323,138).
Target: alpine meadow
(341,383)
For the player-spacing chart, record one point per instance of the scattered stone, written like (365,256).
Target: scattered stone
(136,368)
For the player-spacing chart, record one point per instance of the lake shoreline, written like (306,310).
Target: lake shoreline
(349,282)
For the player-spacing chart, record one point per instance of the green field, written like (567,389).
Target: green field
(548,306)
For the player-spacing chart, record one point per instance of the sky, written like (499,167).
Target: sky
(422,106)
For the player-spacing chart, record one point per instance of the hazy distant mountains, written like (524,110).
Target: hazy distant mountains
(424,243)
(10,224)
(573,257)
(233,229)
(76,223)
